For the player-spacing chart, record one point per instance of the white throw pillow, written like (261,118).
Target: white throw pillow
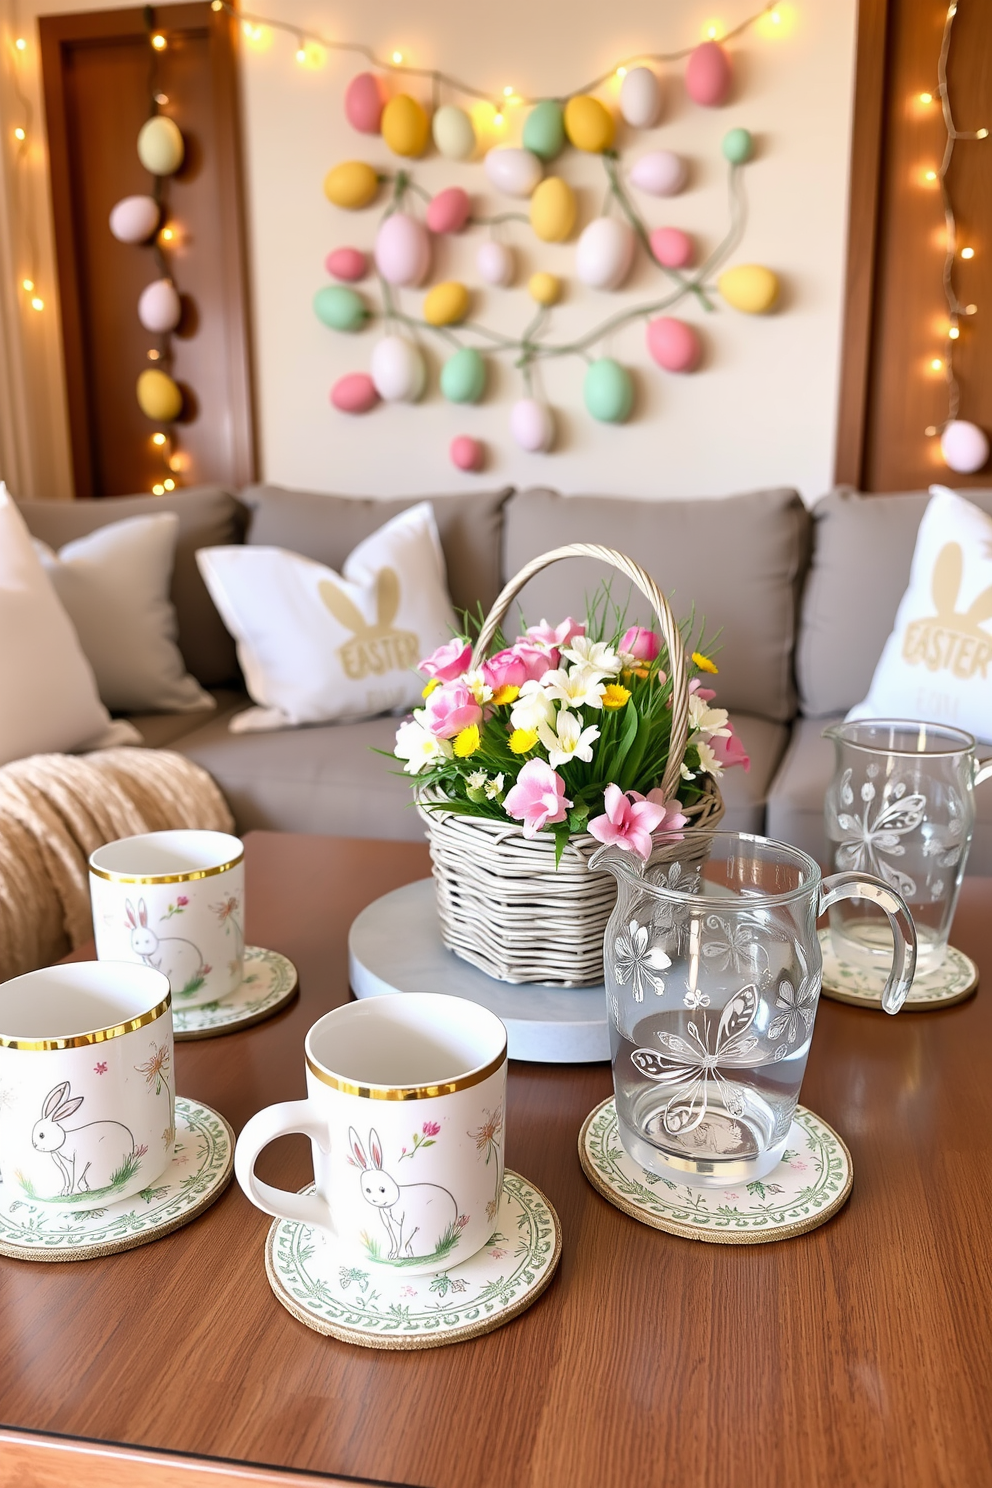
(937,663)
(48,695)
(114,584)
(315,645)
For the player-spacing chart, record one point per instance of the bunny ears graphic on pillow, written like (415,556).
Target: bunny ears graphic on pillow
(948,572)
(387,602)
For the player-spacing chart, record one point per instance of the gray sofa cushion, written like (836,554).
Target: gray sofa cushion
(164,730)
(862,553)
(326,528)
(745,792)
(795,801)
(740,561)
(208,517)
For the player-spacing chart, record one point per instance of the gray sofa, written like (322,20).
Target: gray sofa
(803,602)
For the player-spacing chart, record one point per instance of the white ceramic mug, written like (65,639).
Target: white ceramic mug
(174,901)
(87,1114)
(404,1111)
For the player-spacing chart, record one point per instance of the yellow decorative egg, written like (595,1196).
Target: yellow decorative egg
(446,304)
(588,124)
(405,126)
(749,287)
(552,210)
(159,397)
(160,145)
(352,185)
(545,288)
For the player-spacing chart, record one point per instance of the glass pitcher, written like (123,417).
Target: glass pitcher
(901,806)
(713,977)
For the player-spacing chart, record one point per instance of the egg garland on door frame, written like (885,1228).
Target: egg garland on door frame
(532,175)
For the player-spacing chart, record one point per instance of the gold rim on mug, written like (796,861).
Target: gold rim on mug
(164,878)
(408,1092)
(98,1036)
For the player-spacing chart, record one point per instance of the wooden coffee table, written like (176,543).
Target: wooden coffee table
(858,1354)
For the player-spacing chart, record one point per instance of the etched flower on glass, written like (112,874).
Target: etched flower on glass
(870,841)
(797,1011)
(637,963)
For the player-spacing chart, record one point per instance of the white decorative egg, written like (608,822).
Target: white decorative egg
(532,425)
(398,370)
(512,171)
(159,308)
(662,173)
(134,219)
(495,263)
(604,253)
(964,446)
(640,98)
(403,250)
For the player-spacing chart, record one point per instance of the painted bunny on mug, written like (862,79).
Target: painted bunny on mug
(179,959)
(409,1210)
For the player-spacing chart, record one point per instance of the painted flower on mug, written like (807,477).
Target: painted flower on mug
(156,1068)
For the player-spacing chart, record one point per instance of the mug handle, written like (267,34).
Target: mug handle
(865,886)
(282,1120)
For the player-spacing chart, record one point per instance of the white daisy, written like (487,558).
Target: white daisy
(571,741)
(706,720)
(579,687)
(418,746)
(532,707)
(597,656)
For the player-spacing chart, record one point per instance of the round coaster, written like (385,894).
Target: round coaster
(954,980)
(201,1169)
(381,1309)
(269,981)
(809,1185)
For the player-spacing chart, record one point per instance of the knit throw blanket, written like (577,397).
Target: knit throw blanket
(55,809)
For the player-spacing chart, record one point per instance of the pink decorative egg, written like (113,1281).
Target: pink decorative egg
(673,248)
(673,344)
(449,211)
(495,263)
(348,264)
(354,393)
(708,75)
(662,173)
(364,102)
(467,453)
(403,250)
(532,426)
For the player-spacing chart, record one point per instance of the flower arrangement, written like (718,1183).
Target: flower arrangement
(566,730)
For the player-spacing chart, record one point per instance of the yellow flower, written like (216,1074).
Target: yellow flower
(505,694)
(615,696)
(703,663)
(434,682)
(468,741)
(522,740)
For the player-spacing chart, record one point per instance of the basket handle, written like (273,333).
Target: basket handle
(666,620)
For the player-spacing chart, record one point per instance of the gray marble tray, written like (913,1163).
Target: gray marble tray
(395,946)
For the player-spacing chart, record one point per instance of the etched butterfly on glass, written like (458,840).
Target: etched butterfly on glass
(897,815)
(690,1065)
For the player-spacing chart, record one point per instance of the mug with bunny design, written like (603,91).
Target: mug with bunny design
(86,1074)
(174,901)
(404,1110)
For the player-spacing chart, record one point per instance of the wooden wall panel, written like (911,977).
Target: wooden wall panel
(96,79)
(896,315)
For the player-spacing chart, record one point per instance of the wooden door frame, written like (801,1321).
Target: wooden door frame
(56,34)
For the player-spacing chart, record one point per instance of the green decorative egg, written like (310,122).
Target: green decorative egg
(544,129)
(608,391)
(339,308)
(738,146)
(463,376)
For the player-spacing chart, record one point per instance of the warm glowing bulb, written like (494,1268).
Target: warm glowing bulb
(19,134)
(154,355)
(158,490)
(159,42)
(301,54)
(37,303)
(971,309)
(621,72)
(498,119)
(397,58)
(775,18)
(711,33)
(930,176)
(967,252)
(936,364)
(158,439)
(926,98)
(930,430)
(169,484)
(162,98)
(20,44)
(981,134)
(216,4)
(953,333)
(167,235)
(177,462)
(246,27)
(27,285)
(508,91)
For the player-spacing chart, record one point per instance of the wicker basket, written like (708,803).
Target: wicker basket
(502,903)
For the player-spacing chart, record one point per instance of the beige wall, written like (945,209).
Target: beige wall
(763,409)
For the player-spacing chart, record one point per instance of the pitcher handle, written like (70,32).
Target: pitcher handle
(983,770)
(865,886)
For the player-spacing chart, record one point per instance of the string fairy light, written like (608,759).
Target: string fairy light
(969,444)
(24,207)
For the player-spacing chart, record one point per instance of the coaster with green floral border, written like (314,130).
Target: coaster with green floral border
(955,979)
(384,1309)
(810,1184)
(201,1168)
(269,982)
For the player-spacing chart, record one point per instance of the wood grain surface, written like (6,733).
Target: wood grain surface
(858,1354)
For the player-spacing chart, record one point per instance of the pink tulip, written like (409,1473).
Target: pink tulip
(449,709)
(536,660)
(729,751)
(553,637)
(448,661)
(505,669)
(538,798)
(674,816)
(628,822)
(642,644)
